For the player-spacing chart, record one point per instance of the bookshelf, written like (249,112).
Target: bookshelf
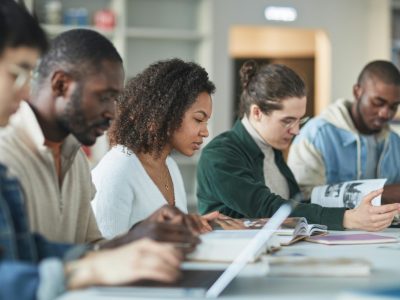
(145,30)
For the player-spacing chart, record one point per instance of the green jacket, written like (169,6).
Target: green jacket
(231,180)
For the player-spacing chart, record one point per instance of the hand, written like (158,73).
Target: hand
(166,213)
(195,223)
(228,223)
(162,232)
(391,193)
(139,260)
(200,224)
(212,215)
(369,217)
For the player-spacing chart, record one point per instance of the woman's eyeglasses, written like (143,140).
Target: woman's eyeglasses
(288,124)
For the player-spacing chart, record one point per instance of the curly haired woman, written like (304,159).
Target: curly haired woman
(164,108)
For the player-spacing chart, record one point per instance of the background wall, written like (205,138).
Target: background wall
(359,31)
(148,30)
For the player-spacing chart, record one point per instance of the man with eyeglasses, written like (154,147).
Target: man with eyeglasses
(31,267)
(17,65)
(352,140)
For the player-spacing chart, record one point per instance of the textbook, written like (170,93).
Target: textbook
(225,245)
(352,239)
(346,194)
(291,231)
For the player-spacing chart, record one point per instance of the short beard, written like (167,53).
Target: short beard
(73,120)
(364,124)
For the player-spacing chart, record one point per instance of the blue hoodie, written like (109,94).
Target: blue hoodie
(329,150)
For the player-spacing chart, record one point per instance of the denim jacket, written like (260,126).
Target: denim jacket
(30,266)
(329,150)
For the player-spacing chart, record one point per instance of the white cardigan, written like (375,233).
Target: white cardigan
(125,192)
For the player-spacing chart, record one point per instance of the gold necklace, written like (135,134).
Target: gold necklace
(167,186)
(164,181)
(167,176)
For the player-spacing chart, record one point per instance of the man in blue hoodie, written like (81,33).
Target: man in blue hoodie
(352,140)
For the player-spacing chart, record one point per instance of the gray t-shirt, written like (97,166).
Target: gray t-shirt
(374,150)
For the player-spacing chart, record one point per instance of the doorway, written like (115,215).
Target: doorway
(306,51)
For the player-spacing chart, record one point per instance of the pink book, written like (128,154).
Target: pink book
(352,239)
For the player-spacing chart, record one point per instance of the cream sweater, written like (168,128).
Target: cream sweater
(275,180)
(61,214)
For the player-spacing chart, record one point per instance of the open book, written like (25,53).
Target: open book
(296,229)
(291,231)
(346,194)
(226,245)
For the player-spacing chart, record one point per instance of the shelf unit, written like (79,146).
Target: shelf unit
(147,31)
(54,30)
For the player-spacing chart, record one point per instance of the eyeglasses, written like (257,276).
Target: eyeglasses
(22,76)
(288,124)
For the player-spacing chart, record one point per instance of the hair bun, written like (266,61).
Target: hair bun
(247,72)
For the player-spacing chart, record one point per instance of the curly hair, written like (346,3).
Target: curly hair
(152,105)
(267,86)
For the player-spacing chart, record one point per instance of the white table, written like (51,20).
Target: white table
(385,260)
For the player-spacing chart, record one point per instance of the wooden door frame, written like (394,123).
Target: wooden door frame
(267,41)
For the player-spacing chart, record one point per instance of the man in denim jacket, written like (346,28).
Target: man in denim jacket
(352,140)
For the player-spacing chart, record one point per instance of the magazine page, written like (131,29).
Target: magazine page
(346,194)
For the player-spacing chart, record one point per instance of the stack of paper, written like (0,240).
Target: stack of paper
(225,245)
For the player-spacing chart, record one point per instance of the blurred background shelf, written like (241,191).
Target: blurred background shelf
(54,30)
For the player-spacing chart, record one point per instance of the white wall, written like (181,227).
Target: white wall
(359,31)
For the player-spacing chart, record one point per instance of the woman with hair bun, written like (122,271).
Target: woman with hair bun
(164,108)
(242,172)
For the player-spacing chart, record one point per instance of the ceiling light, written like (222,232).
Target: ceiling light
(280,13)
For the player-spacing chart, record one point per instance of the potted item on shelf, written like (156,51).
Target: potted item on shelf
(53,12)
(104,19)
